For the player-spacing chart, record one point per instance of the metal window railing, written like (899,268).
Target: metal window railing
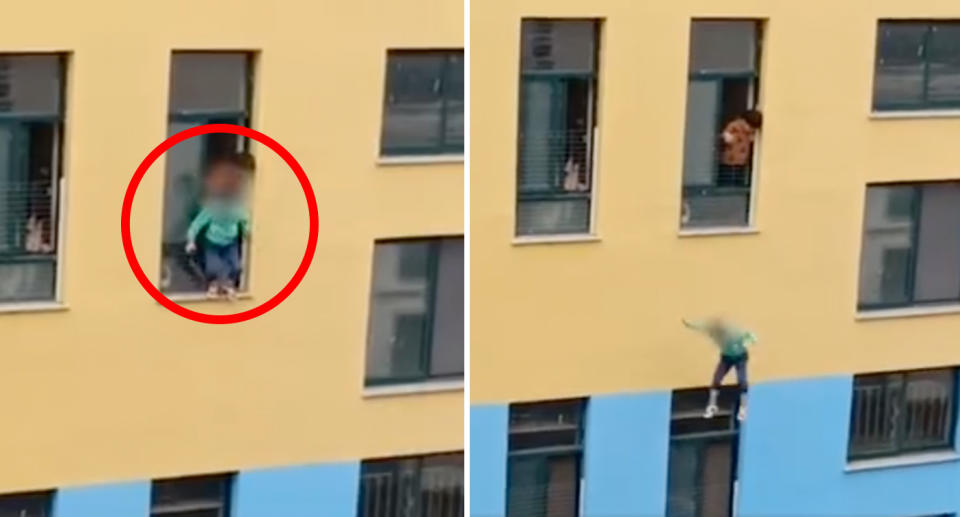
(904,412)
(411,487)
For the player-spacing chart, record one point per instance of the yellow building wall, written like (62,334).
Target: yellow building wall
(567,319)
(114,386)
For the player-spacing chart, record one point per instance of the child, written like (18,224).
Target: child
(221,222)
(733,344)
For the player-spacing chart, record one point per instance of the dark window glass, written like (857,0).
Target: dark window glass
(723,84)
(423,106)
(416,313)
(895,413)
(558,84)
(200,496)
(918,65)
(702,465)
(422,486)
(205,88)
(35,504)
(911,245)
(31,125)
(544,470)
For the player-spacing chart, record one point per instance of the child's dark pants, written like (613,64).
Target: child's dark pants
(724,366)
(222,263)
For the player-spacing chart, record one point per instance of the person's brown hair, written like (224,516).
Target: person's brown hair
(241,160)
(754,118)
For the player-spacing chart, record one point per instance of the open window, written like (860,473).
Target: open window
(196,496)
(31,123)
(558,89)
(702,469)
(205,88)
(720,143)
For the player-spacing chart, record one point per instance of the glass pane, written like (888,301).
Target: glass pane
(27,279)
(874,411)
(441,486)
(208,81)
(887,246)
(398,312)
(899,74)
(414,102)
(388,488)
(550,217)
(944,57)
(568,46)
(25,505)
(700,136)
(723,46)
(198,490)
(30,84)
(700,482)
(928,409)
(545,424)
(453,91)
(447,343)
(938,244)
(527,490)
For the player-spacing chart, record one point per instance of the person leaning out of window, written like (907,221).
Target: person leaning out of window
(737,138)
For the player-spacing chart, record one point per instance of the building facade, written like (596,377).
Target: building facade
(607,205)
(347,399)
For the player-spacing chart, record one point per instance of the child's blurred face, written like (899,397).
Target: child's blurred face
(226,181)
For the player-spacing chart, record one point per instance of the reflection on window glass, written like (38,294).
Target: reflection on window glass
(205,88)
(423,105)
(416,313)
(918,65)
(30,134)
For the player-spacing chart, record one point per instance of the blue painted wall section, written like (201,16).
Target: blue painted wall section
(625,458)
(794,459)
(114,500)
(488,460)
(327,490)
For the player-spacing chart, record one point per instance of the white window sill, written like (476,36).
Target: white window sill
(555,239)
(420,159)
(908,312)
(202,297)
(414,388)
(914,114)
(906,460)
(719,230)
(33,307)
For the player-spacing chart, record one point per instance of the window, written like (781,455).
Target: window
(558,98)
(423,104)
(902,412)
(201,496)
(422,486)
(205,88)
(911,245)
(31,125)
(702,468)
(35,504)
(416,313)
(918,65)
(545,456)
(723,85)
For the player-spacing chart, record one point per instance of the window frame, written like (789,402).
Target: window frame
(434,250)
(543,455)
(393,466)
(227,480)
(57,183)
(754,78)
(916,209)
(444,148)
(925,104)
(899,449)
(592,79)
(214,116)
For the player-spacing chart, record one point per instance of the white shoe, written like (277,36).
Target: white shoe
(742,414)
(213,292)
(711,411)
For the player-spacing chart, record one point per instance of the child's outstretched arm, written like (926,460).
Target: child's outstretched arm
(201,220)
(694,325)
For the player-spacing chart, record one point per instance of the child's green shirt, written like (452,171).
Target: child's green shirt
(223,222)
